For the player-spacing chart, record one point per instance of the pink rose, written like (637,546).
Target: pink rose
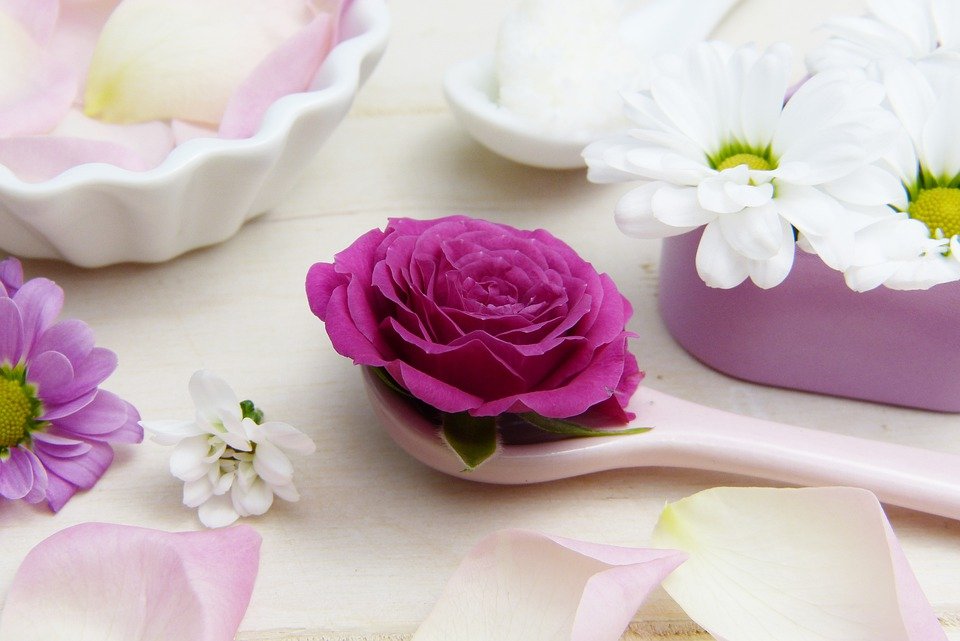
(473,316)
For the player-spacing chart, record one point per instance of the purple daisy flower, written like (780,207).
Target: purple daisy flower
(56,425)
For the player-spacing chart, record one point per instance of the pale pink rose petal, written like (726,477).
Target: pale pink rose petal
(517,584)
(288,69)
(35,89)
(101,582)
(40,158)
(78,26)
(38,17)
(184,131)
(152,141)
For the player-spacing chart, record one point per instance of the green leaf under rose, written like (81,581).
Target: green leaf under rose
(476,438)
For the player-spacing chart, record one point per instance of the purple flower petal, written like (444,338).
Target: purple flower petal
(93,370)
(16,474)
(40,301)
(58,446)
(11,276)
(39,490)
(54,411)
(72,338)
(106,413)
(50,372)
(11,332)
(58,492)
(82,471)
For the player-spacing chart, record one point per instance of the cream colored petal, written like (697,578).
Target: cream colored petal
(163,59)
(811,564)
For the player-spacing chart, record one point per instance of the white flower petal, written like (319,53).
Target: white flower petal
(212,396)
(910,95)
(634,214)
(911,19)
(223,481)
(717,264)
(188,462)
(924,273)
(286,437)
(869,185)
(755,233)
(99,582)
(171,432)
(253,501)
(286,492)
(606,160)
(811,564)
(771,272)
(523,586)
(946,19)
(196,493)
(863,278)
(761,101)
(218,512)
(688,100)
(163,59)
(679,207)
(940,144)
(271,464)
(809,209)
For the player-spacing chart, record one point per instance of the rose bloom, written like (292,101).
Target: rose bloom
(473,316)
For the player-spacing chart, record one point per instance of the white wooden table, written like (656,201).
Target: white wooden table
(366,551)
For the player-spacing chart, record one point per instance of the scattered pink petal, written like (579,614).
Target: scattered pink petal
(101,582)
(517,584)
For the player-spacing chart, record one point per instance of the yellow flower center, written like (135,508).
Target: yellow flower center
(752,161)
(16,412)
(938,208)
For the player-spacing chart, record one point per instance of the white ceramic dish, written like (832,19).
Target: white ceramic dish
(97,214)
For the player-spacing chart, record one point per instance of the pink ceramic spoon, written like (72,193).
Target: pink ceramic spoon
(688,435)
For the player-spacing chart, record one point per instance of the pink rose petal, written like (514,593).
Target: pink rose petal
(523,585)
(36,90)
(40,158)
(100,582)
(288,69)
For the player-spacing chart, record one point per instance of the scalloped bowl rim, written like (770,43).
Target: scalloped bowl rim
(340,72)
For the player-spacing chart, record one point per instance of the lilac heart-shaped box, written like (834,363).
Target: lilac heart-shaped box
(813,333)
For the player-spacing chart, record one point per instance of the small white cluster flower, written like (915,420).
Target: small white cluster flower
(860,165)
(232,462)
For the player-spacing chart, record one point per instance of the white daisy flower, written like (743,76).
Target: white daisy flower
(913,244)
(231,461)
(715,146)
(923,31)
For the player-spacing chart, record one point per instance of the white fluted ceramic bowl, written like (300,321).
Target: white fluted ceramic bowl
(97,214)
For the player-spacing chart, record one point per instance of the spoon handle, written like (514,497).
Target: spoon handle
(692,435)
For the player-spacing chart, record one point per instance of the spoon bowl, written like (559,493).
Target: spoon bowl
(688,435)
(470,87)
